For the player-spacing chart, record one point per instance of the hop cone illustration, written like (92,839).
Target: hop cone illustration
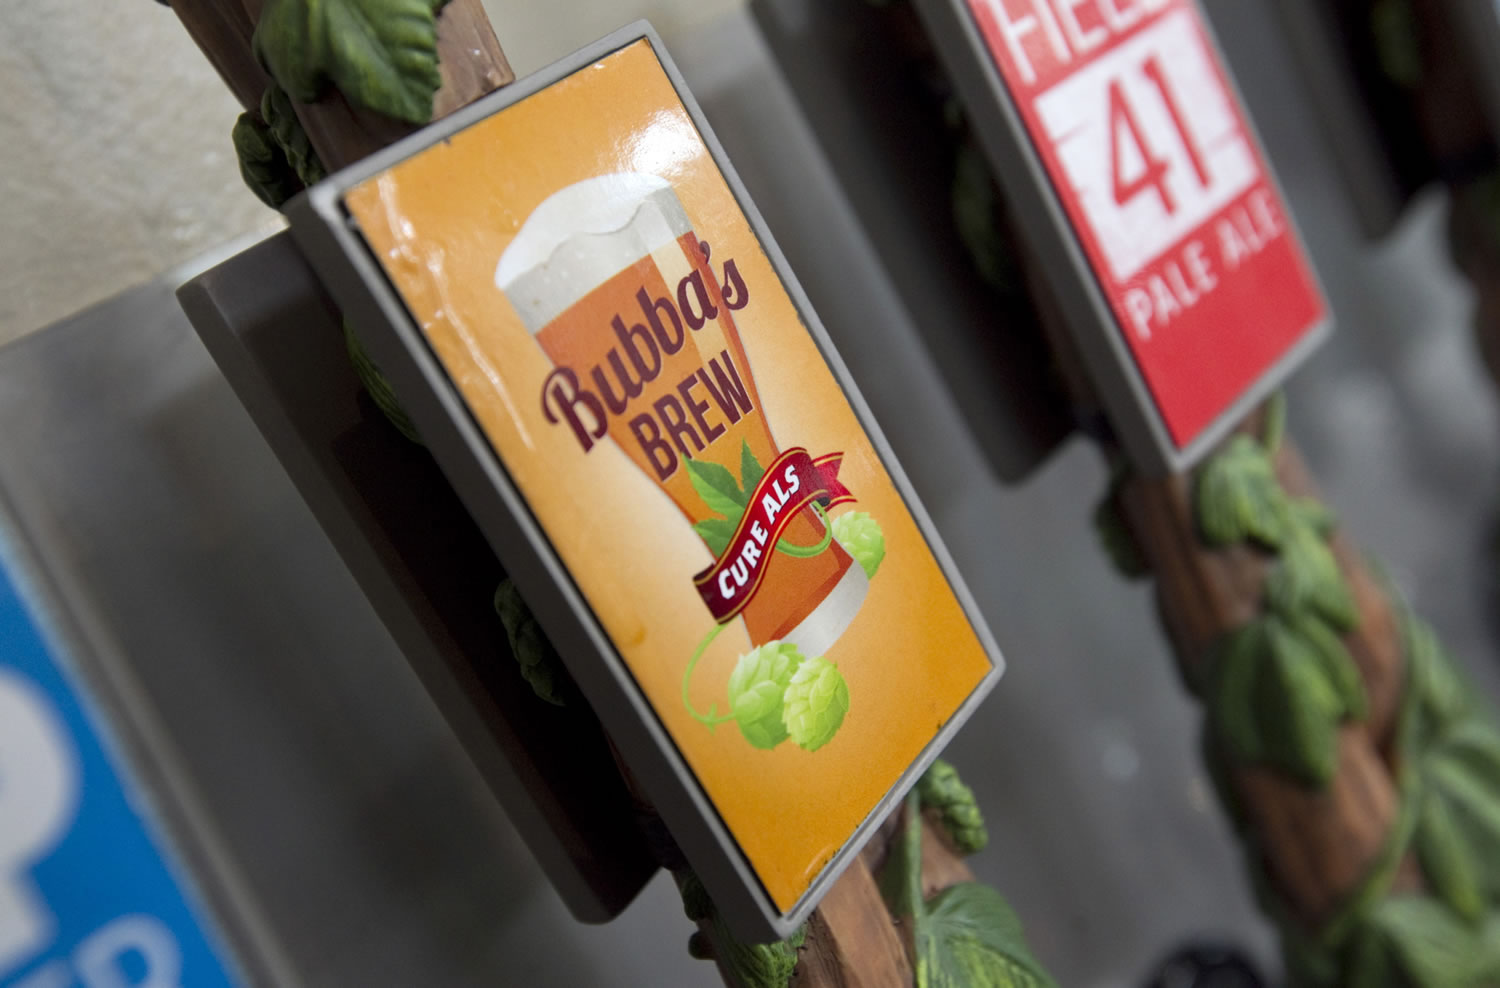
(861,537)
(816,700)
(756,688)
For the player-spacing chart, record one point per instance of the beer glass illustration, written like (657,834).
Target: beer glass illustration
(612,281)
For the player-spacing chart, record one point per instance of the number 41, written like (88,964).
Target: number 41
(1123,123)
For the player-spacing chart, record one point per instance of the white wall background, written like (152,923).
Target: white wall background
(115,162)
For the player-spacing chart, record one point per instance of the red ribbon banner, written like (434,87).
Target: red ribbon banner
(790,484)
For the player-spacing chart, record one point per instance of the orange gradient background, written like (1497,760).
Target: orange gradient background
(438,223)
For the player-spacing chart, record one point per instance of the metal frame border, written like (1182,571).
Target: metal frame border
(344,261)
(1077,289)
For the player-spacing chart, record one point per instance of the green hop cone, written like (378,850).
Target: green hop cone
(815,703)
(861,537)
(756,688)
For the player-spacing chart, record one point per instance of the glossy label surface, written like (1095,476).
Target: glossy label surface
(86,896)
(1159,175)
(587,279)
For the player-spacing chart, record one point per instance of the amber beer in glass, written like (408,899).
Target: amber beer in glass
(610,278)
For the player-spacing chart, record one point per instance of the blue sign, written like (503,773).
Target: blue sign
(87,899)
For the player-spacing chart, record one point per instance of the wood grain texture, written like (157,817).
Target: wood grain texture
(222,31)
(852,941)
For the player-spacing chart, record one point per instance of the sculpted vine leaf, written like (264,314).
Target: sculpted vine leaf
(976,202)
(1416,940)
(1440,696)
(1277,696)
(754,965)
(965,936)
(377,387)
(1333,657)
(1231,710)
(1314,514)
(1119,541)
(1447,859)
(1307,579)
(538,660)
(941,789)
(263,164)
(1460,824)
(758,965)
(1396,30)
(1300,710)
(276,110)
(1455,749)
(969,937)
(381,54)
(1237,496)
(1113,529)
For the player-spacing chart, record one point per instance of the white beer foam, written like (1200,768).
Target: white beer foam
(581,236)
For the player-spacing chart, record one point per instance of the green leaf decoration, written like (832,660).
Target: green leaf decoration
(716,532)
(900,879)
(1119,541)
(381,54)
(1447,859)
(1307,579)
(276,109)
(1237,496)
(758,965)
(1218,765)
(1312,513)
(696,903)
(1231,711)
(1300,709)
(377,387)
(862,538)
(538,660)
(1277,696)
(1454,747)
(976,206)
(816,700)
(1459,827)
(965,936)
(750,470)
(263,164)
(1397,32)
(941,789)
(753,965)
(716,486)
(1440,695)
(757,688)
(970,938)
(1338,666)
(1417,941)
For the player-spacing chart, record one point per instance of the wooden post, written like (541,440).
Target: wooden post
(1317,847)
(852,939)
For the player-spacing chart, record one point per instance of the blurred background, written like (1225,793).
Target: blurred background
(117,163)
(367,840)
